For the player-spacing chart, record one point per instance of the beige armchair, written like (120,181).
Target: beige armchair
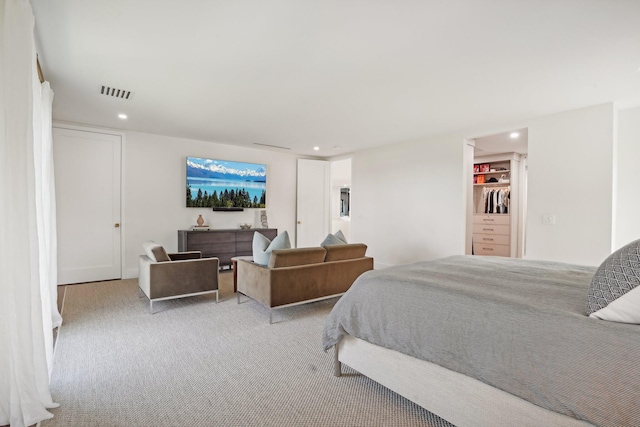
(165,276)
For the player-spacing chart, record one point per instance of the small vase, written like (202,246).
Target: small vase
(200,220)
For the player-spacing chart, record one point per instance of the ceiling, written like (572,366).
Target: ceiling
(514,141)
(342,75)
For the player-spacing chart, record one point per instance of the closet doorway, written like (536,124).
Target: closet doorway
(341,197)
(497,200)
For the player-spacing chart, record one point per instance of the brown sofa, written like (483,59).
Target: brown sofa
(297,276)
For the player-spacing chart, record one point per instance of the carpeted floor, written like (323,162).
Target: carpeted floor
(198,363)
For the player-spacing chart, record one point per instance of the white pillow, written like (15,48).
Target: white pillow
(613,294)
(262,246)
(625,309)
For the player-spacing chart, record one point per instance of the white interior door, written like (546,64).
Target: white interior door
(87,173)
(313,214)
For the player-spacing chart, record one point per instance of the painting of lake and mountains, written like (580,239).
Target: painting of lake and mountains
(223,184)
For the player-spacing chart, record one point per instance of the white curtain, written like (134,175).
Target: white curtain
(28,310)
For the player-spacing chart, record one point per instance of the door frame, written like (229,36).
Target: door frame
(326,222)
(123,223)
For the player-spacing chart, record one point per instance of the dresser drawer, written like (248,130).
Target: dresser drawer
(491,229)
(495,239)
(489,249)
(492,219)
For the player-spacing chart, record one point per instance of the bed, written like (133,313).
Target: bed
(490,341)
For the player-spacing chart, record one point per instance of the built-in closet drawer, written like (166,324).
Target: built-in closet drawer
(491,229)
(494,239)
(503,219)
(488,249)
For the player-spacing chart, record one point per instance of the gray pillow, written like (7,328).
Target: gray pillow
(262,246)
(155,251)
(614,280)
(340,236)
(332,240)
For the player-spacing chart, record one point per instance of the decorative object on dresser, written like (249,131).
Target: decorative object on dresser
(223,244)
(200,225)
(263,219)
(164,276)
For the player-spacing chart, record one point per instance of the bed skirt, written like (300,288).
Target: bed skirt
(457,398)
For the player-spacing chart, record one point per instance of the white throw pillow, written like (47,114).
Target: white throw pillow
(262,246)
(625,309)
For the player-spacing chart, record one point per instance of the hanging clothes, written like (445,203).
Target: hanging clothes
(496,200)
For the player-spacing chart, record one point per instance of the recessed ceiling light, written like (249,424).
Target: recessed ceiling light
(122,116)
(316,148)
(514,134)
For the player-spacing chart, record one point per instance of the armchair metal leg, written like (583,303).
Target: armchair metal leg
(270,316)
(151,305)
(337,365)
(140,293)
(217,293)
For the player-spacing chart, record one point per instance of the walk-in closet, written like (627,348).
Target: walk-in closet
(497,195)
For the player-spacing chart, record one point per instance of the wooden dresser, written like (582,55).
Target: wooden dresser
(492,234)
(223,244)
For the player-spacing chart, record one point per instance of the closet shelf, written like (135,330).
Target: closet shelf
(491,173)
(491,183)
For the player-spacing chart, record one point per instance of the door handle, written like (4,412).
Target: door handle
(299,222)
(117,225)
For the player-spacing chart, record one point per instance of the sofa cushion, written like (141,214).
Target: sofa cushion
(345,251)
(155,251)
(262,246)
(294,257)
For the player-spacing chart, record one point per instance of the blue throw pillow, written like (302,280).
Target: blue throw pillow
(334,239)
(340,236)
(262,246)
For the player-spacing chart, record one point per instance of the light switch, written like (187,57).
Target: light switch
(548,219)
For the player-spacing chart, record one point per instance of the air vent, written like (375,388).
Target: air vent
(115,92)
(272,146)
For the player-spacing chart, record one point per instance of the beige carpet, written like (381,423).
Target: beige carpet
(198,363)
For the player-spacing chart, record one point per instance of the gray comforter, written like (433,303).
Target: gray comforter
(517,325)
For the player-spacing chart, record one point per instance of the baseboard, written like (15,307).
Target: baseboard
(131,273)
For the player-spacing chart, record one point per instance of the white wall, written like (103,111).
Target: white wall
(628,197)
(570,176)
(409,200)
(154,191)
